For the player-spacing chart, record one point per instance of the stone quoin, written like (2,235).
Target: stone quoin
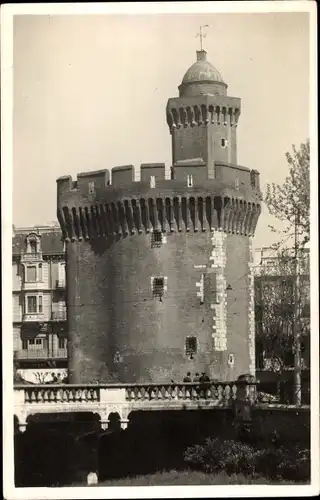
(159,272)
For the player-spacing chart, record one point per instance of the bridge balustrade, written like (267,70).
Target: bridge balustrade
(124,398)
(58,393)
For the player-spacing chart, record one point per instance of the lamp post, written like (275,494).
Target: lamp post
(296,317)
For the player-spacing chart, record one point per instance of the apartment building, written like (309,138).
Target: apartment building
(274,298)
(38,298)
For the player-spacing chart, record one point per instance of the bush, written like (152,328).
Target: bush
(234,457)
(231,456)
(285,463)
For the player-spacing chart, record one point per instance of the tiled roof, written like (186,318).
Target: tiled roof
(51,241)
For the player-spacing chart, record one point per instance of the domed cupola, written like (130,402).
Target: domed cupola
(202,78)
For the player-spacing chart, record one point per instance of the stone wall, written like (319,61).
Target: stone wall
(120,331)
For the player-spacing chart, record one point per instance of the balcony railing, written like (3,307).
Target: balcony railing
(31,257)
(41,354)
(60,284)
(59,315)
(33,317)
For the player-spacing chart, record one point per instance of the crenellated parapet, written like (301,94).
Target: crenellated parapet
(110,211)
(205,110)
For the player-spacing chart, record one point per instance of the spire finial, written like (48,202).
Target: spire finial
(201,34)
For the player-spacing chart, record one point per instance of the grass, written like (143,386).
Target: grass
(182,478)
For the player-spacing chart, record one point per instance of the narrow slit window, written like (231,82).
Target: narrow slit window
(156,239)
(91,187)
(252,179)
(236,183)
(158,287)
(191,347)
(40,304)
(224,143)
(231,359)
(152,181)
(189,181)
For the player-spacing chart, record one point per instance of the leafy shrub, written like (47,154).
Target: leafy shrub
(216,454)
(235,457)
(285,463)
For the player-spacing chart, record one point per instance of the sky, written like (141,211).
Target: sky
(90,92)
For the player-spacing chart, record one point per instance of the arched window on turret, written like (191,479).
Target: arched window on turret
(33,244)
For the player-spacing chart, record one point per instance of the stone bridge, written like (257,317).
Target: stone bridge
(105,402)
(122,399)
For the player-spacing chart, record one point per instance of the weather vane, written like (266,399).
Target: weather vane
(201,34)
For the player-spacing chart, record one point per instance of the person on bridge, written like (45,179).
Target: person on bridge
(187,378)
(196,378)
(204,378)
(204,382)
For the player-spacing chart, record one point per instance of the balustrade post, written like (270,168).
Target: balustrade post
(242,405)
(22,426)
(124,423)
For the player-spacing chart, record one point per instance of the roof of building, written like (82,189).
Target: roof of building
(51,240)
(202,70)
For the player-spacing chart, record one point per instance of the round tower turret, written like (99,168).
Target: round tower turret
(202,78)
(159,272)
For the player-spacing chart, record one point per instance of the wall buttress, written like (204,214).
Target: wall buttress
(62,223)
(159,208)
(171,215)
(104,220)
(146,215)
(227,211)
(109,218)
(188,222)
(196,215)
(137,215)
(242,216)
(231,217)
(247,219)
(76,223)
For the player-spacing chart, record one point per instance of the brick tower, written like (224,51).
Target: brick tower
(159,272)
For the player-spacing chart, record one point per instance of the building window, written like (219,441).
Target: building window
(62,342)
(31,341)
(24,345)
(40,272)
(32,304)
(236,183)
(152,181)
(224,143)
(33,246)
(189,181)
(191,347)
(38,341)
(91,187)
(31,274)
(156,239)
(158,287)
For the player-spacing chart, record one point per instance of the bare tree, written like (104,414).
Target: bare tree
(274,309)
(286,201)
